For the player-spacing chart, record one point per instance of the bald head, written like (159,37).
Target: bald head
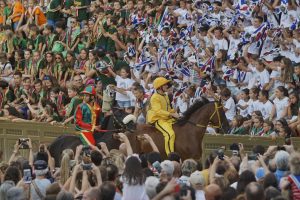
(212,192)
(254,191)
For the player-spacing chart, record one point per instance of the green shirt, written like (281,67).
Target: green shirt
(7,11)
(54,4)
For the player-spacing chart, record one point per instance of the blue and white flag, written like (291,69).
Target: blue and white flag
(165,20)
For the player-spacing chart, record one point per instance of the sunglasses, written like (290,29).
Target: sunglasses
(58,58)
(72,22)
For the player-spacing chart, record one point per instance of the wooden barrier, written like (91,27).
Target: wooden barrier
(10,132)
(45,133)
(213,142)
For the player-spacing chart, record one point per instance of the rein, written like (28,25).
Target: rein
(216,111)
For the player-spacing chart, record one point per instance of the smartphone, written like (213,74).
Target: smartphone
(27,176)
(86,166)
(23,143)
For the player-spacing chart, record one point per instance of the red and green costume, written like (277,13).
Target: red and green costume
(86,119)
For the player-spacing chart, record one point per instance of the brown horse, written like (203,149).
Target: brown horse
(189,130)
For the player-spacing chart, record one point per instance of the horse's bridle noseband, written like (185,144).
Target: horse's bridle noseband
(216,112)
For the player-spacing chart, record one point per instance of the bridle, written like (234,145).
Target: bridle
(123,126)
(216,112)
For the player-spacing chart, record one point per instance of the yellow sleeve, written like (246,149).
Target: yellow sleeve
(157,109)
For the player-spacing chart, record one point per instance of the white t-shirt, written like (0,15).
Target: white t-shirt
(253,106)
(230,105)
(259,79)
(124,83)
(280,105)
(219,44)
(244,112)
(233,46)
(42,184)
(265,108)
(254,47)
(134,192)
(182,18)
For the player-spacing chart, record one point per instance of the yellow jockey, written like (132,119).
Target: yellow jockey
(161,114)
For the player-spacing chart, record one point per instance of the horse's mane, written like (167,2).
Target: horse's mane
(187,114)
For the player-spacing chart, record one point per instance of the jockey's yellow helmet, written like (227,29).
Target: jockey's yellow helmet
(160,81)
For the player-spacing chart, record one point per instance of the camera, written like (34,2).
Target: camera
(23,143)
(235,149)
(27,176)
(220,153)
(86,166)
(252,156)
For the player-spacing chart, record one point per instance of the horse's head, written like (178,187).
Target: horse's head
(218,118)
(123,120)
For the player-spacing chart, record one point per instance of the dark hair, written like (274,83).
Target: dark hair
(283,90)
(174,156)
(38,81)
(112,172)
(3,84)
(12,173)
(152,157)
(255,90)
(246,91)
(60,24)
(245,178)
(108,191)
(258,149)
(239,119)
(133,172)
(18,73)
(96,157)
(271,192)
(229,194)
(225,92)
(259,18)
(270,180)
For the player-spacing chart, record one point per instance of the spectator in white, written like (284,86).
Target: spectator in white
(150,186)
(268,46)
(124,83)
(281,103)
(265,105)
(255,46)
(218,40)
(261,76)
(274,76)
(5,186)
(40,183)
(133,180)
(229,105)
(15,193)
(282,164)
(233,35)
(197,182)
(6,71)
(167,170)
(182,14)
(242,105)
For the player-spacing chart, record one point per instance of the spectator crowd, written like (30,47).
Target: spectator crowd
(244,53)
